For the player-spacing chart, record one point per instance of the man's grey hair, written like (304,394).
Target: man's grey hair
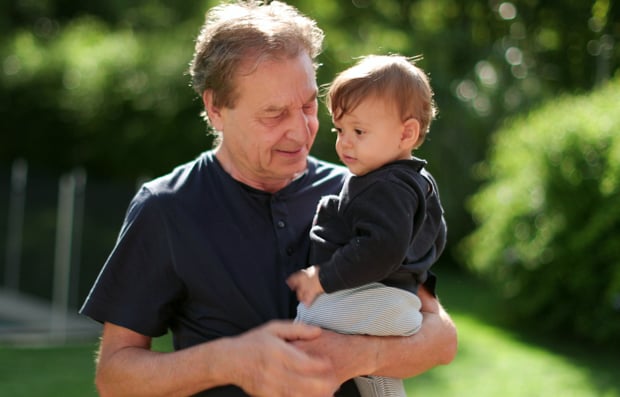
(245,31)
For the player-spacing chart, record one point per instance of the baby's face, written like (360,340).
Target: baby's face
(370,136)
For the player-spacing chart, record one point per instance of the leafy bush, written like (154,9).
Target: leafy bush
(549,216)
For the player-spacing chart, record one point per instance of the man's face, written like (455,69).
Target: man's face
(268,133)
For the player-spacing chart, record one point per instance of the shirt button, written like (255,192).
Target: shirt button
(281,224)
(290,251)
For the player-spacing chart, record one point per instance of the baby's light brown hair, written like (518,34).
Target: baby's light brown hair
(393,78)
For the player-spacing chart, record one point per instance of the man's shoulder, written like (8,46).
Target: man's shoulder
(324,170)
(181,177)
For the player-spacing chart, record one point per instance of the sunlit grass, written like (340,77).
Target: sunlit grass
(47,371)
(491,362)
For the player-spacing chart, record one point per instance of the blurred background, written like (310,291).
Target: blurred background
(95,99)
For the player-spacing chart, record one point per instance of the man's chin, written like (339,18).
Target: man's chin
(294,171)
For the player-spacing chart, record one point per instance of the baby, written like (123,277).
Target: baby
(374,243)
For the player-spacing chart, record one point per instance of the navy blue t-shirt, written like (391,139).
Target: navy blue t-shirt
(206,256)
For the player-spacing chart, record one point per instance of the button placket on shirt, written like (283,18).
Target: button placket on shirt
(280,219)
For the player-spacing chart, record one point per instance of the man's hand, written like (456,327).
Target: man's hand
(343,351)
(275,367)
(306,285)
(264,362)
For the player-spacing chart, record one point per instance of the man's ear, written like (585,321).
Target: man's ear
(214,113)
(410,133)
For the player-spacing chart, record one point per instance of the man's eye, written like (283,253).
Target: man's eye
(273,116)
(309,107)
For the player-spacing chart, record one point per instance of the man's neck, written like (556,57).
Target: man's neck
(265,184)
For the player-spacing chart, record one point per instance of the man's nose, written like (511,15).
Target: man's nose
(299,127)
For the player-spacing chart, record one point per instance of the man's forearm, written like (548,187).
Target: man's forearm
(136,371)
(403,357)
(261,361)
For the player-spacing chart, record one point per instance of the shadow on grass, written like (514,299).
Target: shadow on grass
(465,295)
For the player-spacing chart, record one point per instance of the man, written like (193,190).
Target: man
(205,251)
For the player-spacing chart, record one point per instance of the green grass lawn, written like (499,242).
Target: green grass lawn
(491,362)
(495,361)
(54,371)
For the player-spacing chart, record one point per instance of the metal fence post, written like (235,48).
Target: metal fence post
(67,187)
(17,199)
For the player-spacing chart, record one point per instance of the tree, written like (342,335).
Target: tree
(102,85)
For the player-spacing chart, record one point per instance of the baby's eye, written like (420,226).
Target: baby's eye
(359,132)
(337,130)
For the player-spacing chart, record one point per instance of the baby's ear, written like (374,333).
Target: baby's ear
(411,133)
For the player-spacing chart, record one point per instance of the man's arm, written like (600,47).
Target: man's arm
(261,361)
(393,356)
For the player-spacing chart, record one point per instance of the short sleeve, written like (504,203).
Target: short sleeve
(137,287)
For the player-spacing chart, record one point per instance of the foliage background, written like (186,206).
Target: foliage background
(550,218)
(102,85)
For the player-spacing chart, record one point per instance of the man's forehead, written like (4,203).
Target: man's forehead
(275,104)
(274,84)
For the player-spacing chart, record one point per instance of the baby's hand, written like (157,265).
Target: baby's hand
(306,284)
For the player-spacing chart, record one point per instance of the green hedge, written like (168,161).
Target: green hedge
(548,216)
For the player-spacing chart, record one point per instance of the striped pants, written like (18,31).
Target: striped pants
(372,309)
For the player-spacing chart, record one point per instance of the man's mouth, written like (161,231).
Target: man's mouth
(291,152)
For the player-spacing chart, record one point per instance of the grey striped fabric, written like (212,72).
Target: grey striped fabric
(372,386)
(372,309)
